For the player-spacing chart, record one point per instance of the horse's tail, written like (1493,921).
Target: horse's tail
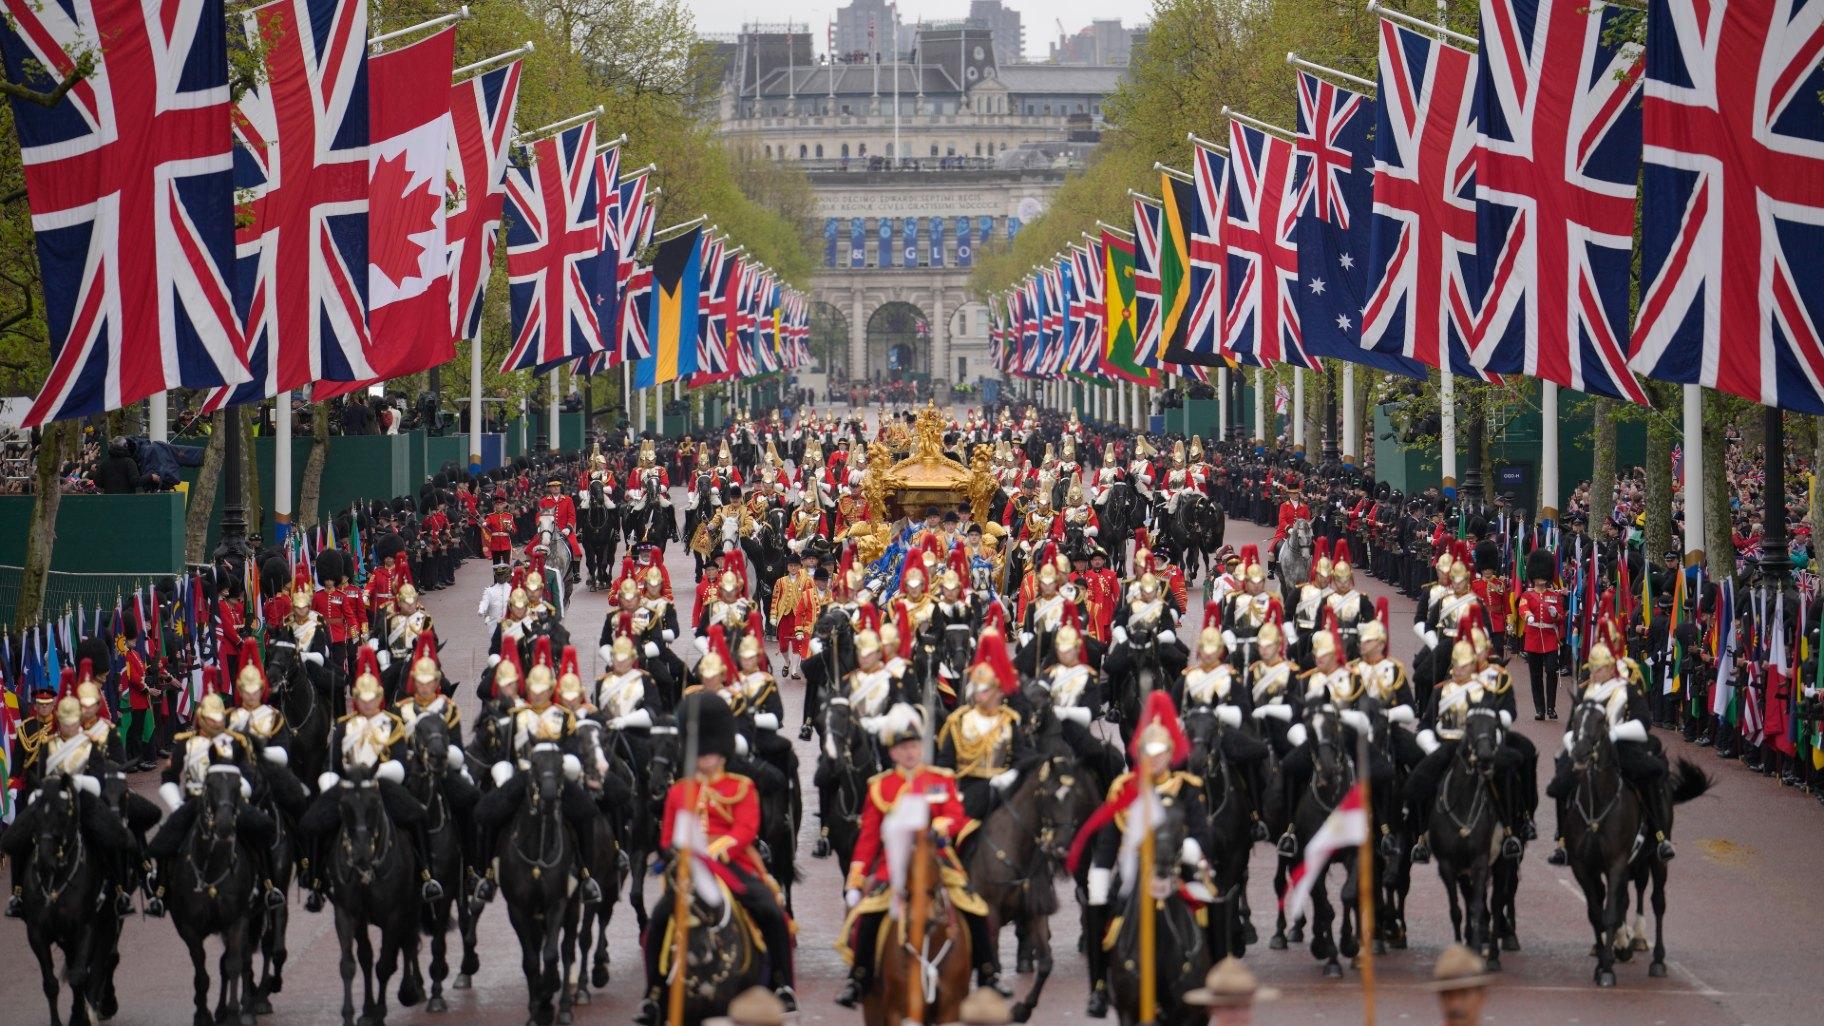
(1688,782)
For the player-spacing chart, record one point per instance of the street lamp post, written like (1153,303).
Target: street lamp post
(233,548)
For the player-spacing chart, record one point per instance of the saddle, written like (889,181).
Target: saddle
(731,910)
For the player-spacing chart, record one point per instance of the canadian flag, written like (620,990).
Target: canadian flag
(1346,828)
(408,271)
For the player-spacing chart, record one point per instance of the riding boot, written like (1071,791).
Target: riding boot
(987,959)
(154,890)
(430,890)
(1421,851)
(1658,802)
(15,905)
(1095,924)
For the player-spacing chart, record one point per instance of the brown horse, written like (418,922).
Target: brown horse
(941,958)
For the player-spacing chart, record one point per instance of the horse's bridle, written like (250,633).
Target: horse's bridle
(48,881)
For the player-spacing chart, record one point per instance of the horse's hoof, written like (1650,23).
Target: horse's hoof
(1640,944)
(437,1004)
(1278,942)
(1297,936)
(1249,935)
(1022,1012)
(277,985)
(261,1006)
(1596,951)
(582,996)
(108,1007)
(565,1018)
(1023,965)
(1333,971)
(1493,964)
(1605,978)
(1657,970)
(1510,943)
(1380,946)
(598,978)
(1624,954)
(411,992)
(461,982)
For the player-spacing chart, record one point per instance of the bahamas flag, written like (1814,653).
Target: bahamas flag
(672,310)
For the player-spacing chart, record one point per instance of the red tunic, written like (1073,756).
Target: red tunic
(729,809)
(498,527)
(884,791)
(1291,512)
(1545,607)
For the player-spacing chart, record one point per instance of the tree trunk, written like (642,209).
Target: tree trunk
(1602,472)
(202,493)
(1719,541)
(1814,513)
(310,490)
(250,478)
(41,538)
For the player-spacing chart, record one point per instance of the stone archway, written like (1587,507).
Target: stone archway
(829,340)
(899,342)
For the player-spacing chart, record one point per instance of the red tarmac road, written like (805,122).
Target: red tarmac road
(1743,906)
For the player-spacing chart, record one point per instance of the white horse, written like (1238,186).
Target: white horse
(1294,557)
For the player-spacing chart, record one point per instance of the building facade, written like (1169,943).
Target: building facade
(917,165)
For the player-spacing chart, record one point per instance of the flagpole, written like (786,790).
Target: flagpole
(1172,172)
(475,406)
(1222,404)
(1548,451)
(1255,123)
(528,137)
(451,18)
(1205,144)
(1300,63)
(555,382)
(1298,410)
(616,143)
(1149,925)
(158,416)
(1401,18)
(1352,433)
(488,62)
(1260,406)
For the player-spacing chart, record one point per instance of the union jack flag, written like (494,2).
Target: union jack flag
(1558,119)
(1089,286)
(635,221)
(1423,233)
(606,289)
(1262,326)
(132,195)
(1335,193)
(741,320)
(712,352)
(1733,200)
(481,109)
(1204,343)
(552,248)
(301,167)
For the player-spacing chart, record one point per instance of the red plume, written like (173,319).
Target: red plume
(902,621)
(1321,550)
(995,618)
(718,643)
(66,682)
(509,653)
(250,656)
(870,618)
(1142,540)
(1335,630)
(85,670)
(991,650)
(959,561)
(426,647)
(1342,552)
(541,651)
(1381,613)
(1070,616)
(567,663)
(1159,709)
(1212,614)
(366,662)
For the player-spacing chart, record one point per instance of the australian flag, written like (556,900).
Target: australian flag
(1333,170)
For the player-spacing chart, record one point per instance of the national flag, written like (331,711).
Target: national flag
(1261,327)
(1776,717)
(553,245)
(1282,398)
(1335,186)
(481,116)
(1209,262)
(1674,655)
(1422,236)
(713,362)
(1177,214)
(1090,270)
(605,289)
(677,279)
(408,268)
(1119,326)
(130,182)
(1732,200)
(1557,149)
(1345,827)
(301,173)
(634,222)
(1148,346)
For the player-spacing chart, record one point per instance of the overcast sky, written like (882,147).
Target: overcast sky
(1040,19)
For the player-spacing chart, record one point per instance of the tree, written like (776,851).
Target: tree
(201,507)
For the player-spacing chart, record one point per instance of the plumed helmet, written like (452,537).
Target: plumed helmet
(1209,642)
(69,711)
(992,667)
(425,668)
(1067,639)
(251,679)
(622,650)
(406,593)
(1376,629)
(210,710)
(367,686)
(1269,634)
(711,667)
(1600,655)
(1159,731)
(1463,653)
(902,722)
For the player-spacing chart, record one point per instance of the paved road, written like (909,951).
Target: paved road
(1744,903)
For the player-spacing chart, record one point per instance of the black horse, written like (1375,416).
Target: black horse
(304,697)
(61,884)
(1601,821)
(767,553)
(373,884)
(1181,955)
(599,525)
(604,782)
(427,760)
(848,759)
(1230,835)
(537,863)
(1190,532)
(1465,828)
(210,891)
(1015,856)
(833,637)
(1332,775)
(1119,513)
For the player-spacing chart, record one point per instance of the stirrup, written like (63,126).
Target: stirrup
(1665,851)
(1421,852)
(850,994)
(804,732)
(787,998)
(590,890)
(1288,845)
(275,898)
(155,907)
(1510,847)
(1557,857)
(15,907)
(1528,831)
(430,890)
(1097,1006)
(313,902)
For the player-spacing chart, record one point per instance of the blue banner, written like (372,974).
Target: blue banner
(910,227)
(886,242)
(858,253)
(937,242)
(965,253)
(829,242)
(1013,227)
